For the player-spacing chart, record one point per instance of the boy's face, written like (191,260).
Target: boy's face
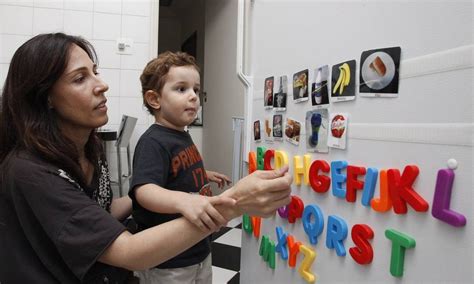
(179,98)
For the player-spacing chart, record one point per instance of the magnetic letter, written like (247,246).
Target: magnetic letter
(281,244)
(281,159)
(442,199)
(252,162)
(256,222)
(263,246)
(319,183)
(260,154)
(400,242)
(384,203)
(267,251)
(402,192)
(362,253)
(338,179)
(369,186)
(295,209)
(304,270)
(301,170)
(283,211)
(294,248)
(336,234)
(269,154)
(353,184)
(313,230)
(246,223)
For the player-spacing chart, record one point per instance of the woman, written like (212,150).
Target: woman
(58,221)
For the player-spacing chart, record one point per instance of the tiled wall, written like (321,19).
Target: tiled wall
(101,22)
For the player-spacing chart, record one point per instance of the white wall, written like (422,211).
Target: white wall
(289,36)
(101,22)
(225,93)
(177,23)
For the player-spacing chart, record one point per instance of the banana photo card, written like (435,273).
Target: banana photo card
(300,86)
(279,99)
(319,90)
(317,130)
(379,72)
(268,93)
(278,127)
(257,131)
(337,135)
(343,81)
(292,131)
(268,130)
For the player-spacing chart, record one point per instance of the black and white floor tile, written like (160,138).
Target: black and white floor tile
(226,246)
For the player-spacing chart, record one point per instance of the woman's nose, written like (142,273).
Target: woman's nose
(101,87)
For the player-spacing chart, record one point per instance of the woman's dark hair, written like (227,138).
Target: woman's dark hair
(26,120)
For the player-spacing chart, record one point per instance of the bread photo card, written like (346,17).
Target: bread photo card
(268,93)
(292,131)
(338,130)
(300,86)
(379,72)
(319,89)
(279,99)
(343,81)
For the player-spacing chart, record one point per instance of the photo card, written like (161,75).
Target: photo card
(379,72)
(317,125)
(343,81)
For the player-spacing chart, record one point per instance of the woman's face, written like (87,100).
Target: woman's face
(78,96)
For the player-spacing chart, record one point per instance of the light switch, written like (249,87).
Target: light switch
(124,46)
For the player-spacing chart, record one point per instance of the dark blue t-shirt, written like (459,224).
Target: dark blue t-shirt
(169,158)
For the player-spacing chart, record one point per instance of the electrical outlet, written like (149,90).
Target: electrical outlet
(124,46)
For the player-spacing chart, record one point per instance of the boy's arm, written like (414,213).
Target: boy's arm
(198,209)
(158,199)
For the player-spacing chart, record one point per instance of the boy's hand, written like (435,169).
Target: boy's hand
(218,178)
(200,211)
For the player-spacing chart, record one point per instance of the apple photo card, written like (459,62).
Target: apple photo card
(338,133)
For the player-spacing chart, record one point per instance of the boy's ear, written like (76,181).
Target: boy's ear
(153,99)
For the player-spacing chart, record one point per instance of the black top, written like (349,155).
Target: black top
(170,159)
(52,230)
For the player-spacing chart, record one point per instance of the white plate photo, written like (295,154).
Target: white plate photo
(371,77)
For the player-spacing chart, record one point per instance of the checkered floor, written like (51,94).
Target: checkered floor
(226,246)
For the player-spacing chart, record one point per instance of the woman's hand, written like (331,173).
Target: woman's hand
(262,192)
(218,178)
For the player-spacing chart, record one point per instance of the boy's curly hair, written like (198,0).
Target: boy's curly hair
(154,75)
